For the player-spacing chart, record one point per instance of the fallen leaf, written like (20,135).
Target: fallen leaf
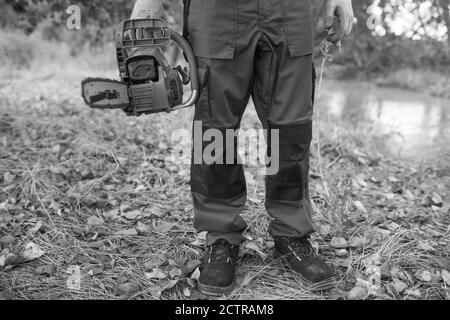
(254,200)
(95,221)
(409,195)
(191,266)
(154,211)
(325,229)
(446,276)
(426,202)
(127,289)
(32,251)
(196,274)
(396,272)
(360,179)
(393,226)
(155,291)
(186,292)
(385,269)
(357,242)
(152,262)
(435,208)
(375,180)
(425,276)
(140,188)
(360,207)
(362,283)
(7,239)
(10,259)
(192,283)
(357,293)
(389,196)
(96,269)
(131,215)
(199,240)
(341,252)
(48,269)
(112,215)
(175,272)
(399,285)
(344,263)
(5,295)
(36,228)
(8,178)
(315,245)
(164,227)
(393,179)
(169,284)
(143,228)
(436,199)
(127,233)
(156,274)
(256,247)
(270,244)
(415,293)
(373,259)
(338,243)
(178,262)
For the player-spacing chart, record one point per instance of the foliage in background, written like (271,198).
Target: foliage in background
(374,53)
(367,54)
(48,17)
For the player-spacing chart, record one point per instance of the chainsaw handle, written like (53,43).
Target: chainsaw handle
(193,71)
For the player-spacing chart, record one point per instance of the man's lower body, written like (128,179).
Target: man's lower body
(260,49)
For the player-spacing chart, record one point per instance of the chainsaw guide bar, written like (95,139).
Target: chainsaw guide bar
(102,93)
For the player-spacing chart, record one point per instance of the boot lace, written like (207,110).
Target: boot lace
(220,252)
(301,247)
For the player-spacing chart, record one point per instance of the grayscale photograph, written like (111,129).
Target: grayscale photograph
(215,158)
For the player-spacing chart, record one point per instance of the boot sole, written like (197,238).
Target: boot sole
(323,285)
(216,291)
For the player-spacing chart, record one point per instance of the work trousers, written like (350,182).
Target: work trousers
(260,49)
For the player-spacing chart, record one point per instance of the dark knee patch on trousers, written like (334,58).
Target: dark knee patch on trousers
(219,180)
(294,134)
(291,181)
(289,184)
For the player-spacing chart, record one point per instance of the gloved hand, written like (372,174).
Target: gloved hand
(339,17)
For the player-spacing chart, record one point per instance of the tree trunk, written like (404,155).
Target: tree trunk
(445,7)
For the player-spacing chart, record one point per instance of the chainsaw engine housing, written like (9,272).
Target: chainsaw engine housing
(151,88)
(151,84)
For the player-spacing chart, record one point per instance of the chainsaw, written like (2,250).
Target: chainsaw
(148,83)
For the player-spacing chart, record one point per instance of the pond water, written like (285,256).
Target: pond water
(415,125)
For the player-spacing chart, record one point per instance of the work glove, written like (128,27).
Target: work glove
(339,18)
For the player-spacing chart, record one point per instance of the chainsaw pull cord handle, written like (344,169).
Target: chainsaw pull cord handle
(182,42)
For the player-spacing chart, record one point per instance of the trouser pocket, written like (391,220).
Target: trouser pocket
(186,7)
(211,27)
(314,77)
(298,26)
(202,107)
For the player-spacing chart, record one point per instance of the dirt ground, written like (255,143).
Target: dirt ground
(92,207)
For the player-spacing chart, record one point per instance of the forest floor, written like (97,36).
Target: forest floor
(92,206)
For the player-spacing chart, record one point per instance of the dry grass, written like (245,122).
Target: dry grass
(61,163)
